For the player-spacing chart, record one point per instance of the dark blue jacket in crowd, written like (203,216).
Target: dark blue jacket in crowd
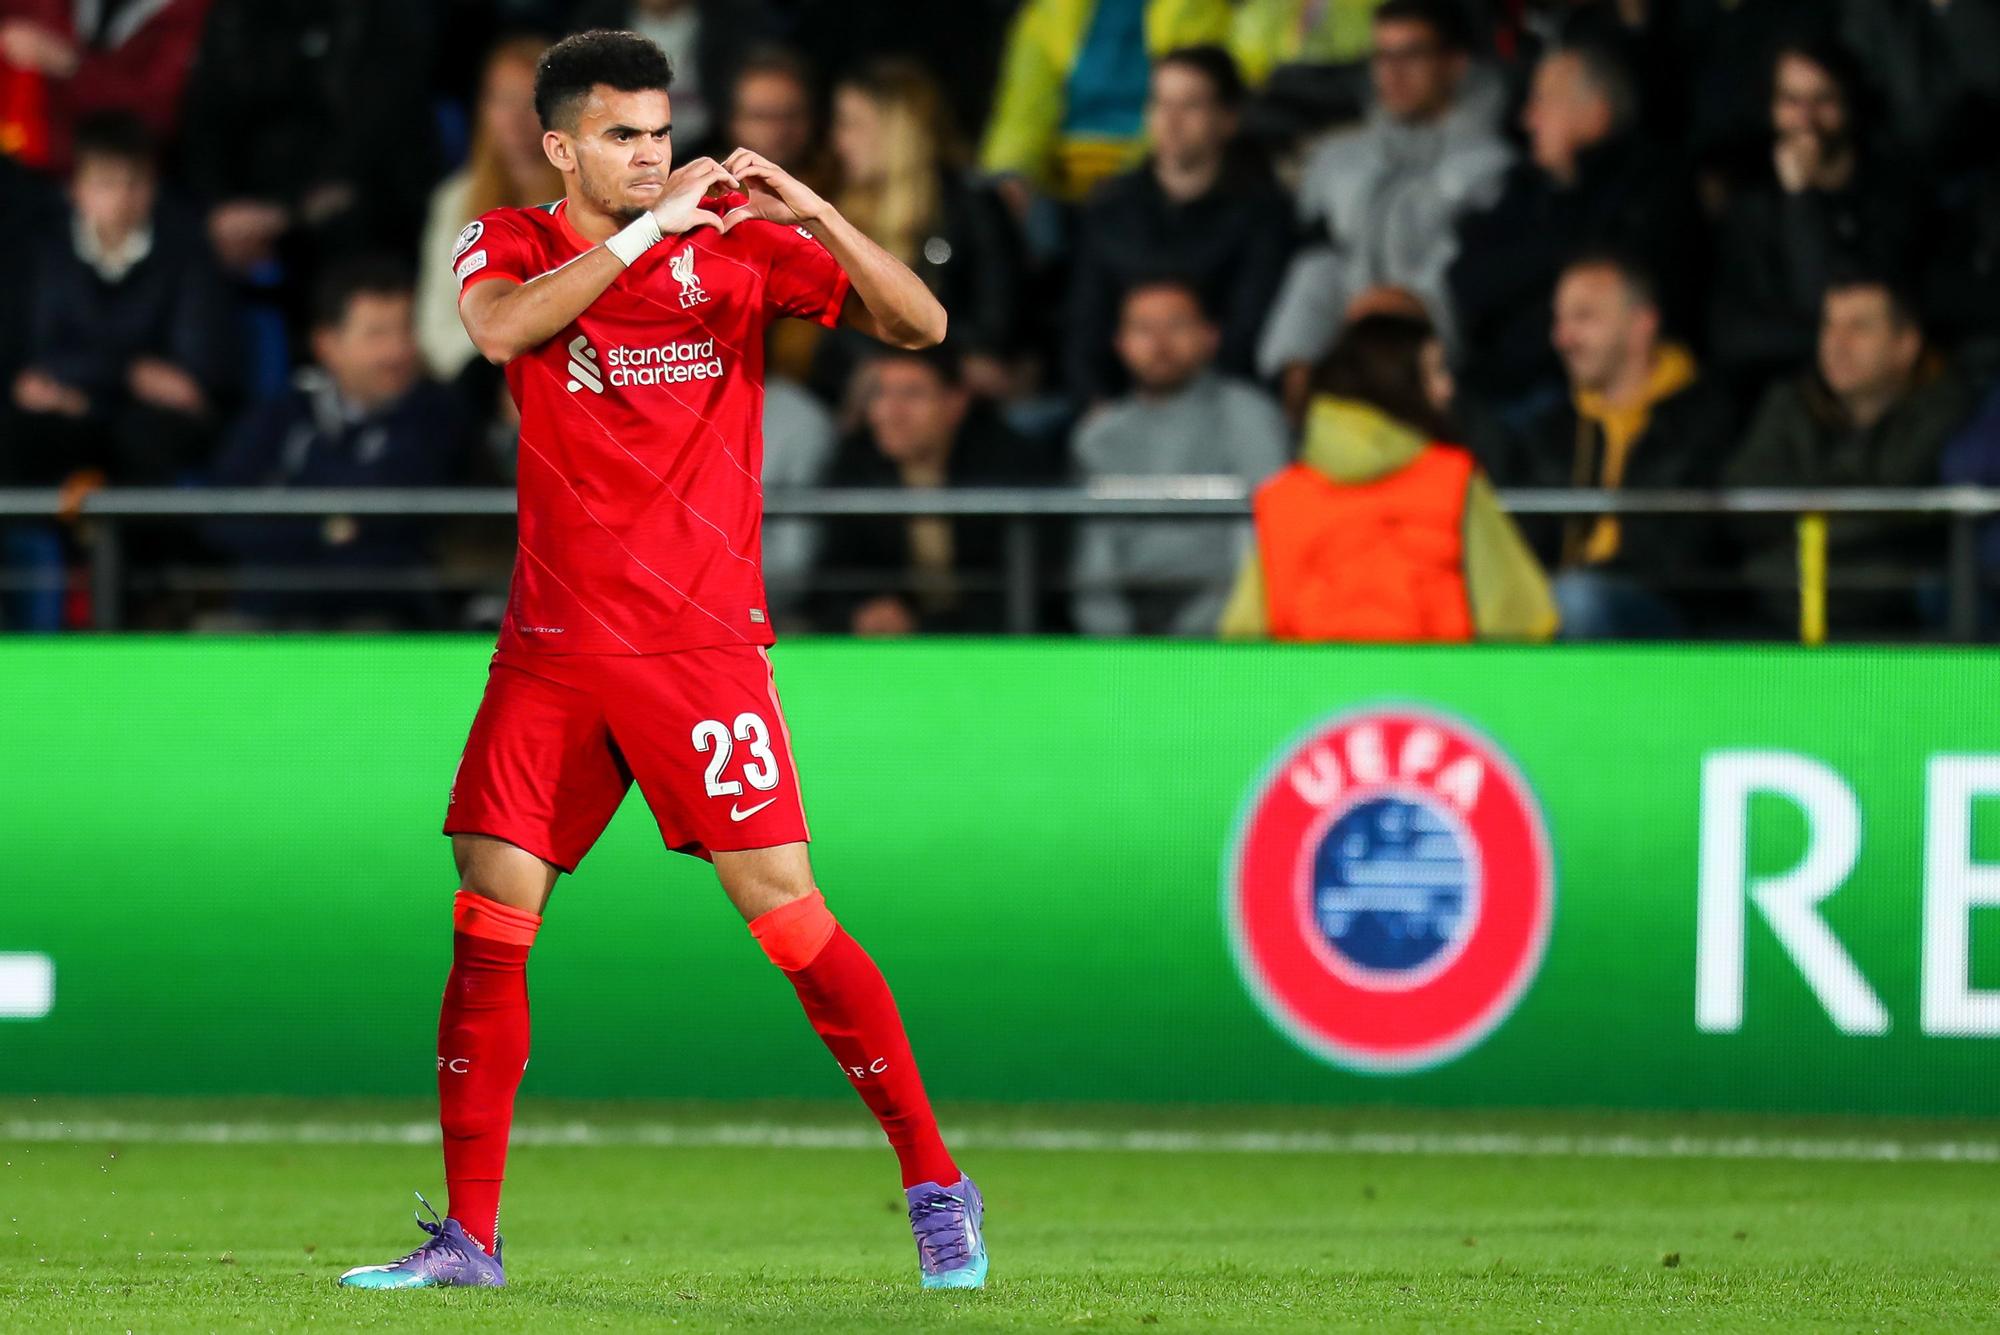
(1972,458)
(28,208)
(307,437)
(173,304)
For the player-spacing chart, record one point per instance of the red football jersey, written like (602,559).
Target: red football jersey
(642,443)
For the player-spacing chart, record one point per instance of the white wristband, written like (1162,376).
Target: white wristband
(639,236)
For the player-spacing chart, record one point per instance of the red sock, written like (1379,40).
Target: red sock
(482,1048)
(850,1007)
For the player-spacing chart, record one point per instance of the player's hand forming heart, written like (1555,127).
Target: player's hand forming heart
(775,194)
(687,186)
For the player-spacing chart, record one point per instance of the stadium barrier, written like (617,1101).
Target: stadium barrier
(1651,877)
(1026,510)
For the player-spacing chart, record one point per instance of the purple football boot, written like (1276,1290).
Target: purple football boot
(451,1259)
(951,1248)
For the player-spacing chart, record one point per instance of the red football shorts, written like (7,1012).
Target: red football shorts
(560,737)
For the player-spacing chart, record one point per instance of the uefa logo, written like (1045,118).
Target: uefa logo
(1389,890)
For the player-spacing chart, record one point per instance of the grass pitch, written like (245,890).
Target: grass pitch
(171,1216)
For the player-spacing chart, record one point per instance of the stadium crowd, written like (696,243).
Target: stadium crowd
(1376,257)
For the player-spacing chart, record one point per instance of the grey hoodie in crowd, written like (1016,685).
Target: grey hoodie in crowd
(1170,577)
(1383,201)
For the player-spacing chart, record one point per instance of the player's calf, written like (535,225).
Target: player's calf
(852,1010)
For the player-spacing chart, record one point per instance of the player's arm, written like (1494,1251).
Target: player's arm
(887,301)
(506,318)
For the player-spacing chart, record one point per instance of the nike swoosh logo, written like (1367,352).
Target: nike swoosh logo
(734,814)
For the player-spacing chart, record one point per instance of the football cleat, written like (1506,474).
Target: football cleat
(451,1259)
(951,1246)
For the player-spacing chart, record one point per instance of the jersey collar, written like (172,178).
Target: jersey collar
(575,238)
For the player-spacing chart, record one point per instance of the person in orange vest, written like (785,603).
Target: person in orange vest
(1380,531)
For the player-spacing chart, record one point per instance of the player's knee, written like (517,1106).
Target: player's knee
(763,879)
(512,894)
(794,933)
(496,870)
(771,890)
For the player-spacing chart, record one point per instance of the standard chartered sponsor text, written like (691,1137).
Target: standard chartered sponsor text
(665,364)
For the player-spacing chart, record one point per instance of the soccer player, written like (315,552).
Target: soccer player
(630,316)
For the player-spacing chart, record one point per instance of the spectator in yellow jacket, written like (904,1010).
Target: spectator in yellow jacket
(1073,84)
(1270,33)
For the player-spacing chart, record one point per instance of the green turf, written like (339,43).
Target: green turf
(167,1237)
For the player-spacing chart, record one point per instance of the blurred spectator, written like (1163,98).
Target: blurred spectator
(1380,530)
(72,60)
(1150,577)
(1639,415)
(798,448)
(1824,203)
(923,430)
(1384,201)
(704,39)
(1722,53)
(1269,33)
(772,113)
(130,345)
(1198,208)
(508,169)
(1875,412)
(903,183)
(1639,35)
(963,55)
(1938,65)
(309,122)
(362,415)
(1071,105)
(1590,182)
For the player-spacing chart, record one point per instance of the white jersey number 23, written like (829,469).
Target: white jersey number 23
(761,770)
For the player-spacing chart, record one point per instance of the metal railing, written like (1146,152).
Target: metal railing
(1024,510)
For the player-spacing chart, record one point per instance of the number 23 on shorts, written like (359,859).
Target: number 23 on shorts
(713,739)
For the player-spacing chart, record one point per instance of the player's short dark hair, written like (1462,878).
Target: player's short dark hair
(941,360)
(1631,271)
(1215,64)
(336,288)
(567,72)
(116,136)
(1445,19)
